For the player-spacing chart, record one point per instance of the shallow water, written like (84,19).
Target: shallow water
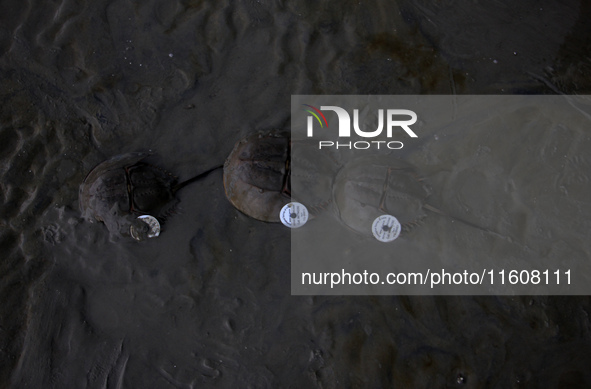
(208,303)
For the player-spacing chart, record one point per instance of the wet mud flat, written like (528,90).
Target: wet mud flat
(208,304)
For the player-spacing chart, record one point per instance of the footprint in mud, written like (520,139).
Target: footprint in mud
(52,234)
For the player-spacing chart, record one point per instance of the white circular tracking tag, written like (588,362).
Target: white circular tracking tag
(294,215)
(153,225)
(386,228)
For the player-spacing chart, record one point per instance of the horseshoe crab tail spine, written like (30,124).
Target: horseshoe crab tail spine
(287,179)
(181,185)
(439,212)
(129,190)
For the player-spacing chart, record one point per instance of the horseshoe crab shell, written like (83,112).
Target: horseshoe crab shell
(119,189)
(369,187)
(256,175)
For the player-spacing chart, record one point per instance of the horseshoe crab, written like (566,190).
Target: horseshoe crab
(256,175)
(120,189)
(369,187)
(259,171)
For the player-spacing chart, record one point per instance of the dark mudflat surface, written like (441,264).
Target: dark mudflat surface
(208,304)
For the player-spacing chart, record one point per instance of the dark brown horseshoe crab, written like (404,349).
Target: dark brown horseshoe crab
(260,170)
(123,187)
(120,189)
(256,175)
